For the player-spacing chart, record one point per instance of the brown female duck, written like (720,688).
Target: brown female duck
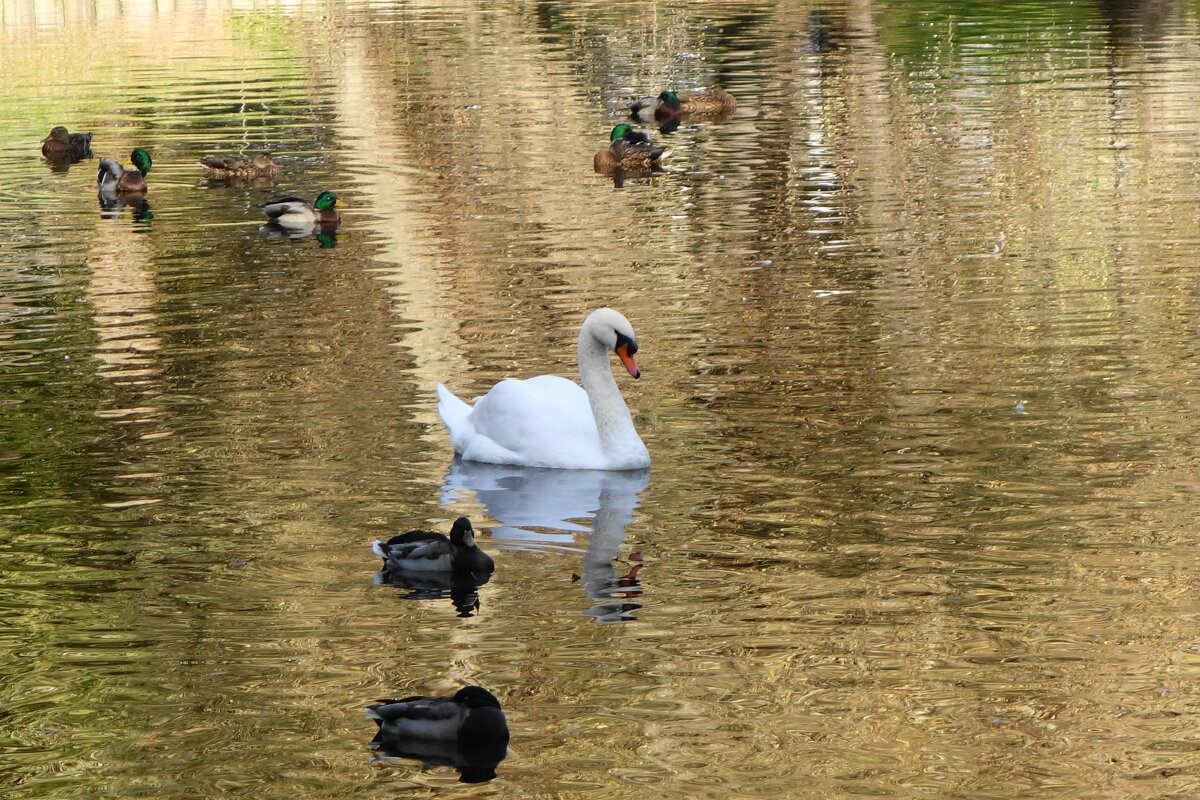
(259,165)
(61,145)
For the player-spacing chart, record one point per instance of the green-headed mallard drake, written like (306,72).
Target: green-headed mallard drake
(472,714)
(60,144)
(629,151)
(295,212)
(112,177)
(426,551)
(665,107)
(259,165)
(668,105)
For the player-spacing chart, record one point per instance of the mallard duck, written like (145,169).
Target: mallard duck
(713,101)
(472,714)
(669,105)
(551,422)
(426,551)
(60,144)
(628,133)
(295,212)
(657,109)
(112,177)
(260,165)
(629,151)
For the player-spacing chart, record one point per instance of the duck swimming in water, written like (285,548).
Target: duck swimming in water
(472,713)
(259,165)
(715,101)
(112,177)
(629,151)
(426,551)
(60,145)
(295,212)
(467,731)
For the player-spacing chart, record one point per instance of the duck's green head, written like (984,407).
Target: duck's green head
(620,132)
(141,160)
(669,98)
(476,697)
(325,201)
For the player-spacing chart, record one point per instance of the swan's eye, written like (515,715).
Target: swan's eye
(622,339)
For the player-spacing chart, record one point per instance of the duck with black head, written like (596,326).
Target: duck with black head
(428,551)
(467,731)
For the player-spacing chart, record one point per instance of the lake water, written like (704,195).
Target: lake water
(918,325)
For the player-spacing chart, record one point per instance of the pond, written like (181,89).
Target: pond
(917,325)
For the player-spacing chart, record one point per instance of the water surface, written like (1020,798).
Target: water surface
(918,338)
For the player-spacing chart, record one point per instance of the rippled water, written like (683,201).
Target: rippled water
(918,332)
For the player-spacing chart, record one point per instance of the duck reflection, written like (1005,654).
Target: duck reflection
(462,589)
(325,235)
(62,163)
(541,509)
(476,761)
(112,205)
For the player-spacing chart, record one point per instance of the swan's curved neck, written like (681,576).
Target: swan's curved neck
(613,421)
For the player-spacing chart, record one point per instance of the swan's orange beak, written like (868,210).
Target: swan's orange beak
(627,359)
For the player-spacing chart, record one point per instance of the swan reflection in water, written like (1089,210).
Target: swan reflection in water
(542,509)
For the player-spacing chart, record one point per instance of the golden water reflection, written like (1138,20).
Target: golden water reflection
(917,329)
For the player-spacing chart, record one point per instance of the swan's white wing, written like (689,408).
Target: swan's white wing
(540,422)
(456,415)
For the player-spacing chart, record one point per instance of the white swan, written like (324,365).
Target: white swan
(549,421)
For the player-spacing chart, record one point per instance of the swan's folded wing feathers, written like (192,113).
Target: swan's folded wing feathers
(456,415)
(540,421)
